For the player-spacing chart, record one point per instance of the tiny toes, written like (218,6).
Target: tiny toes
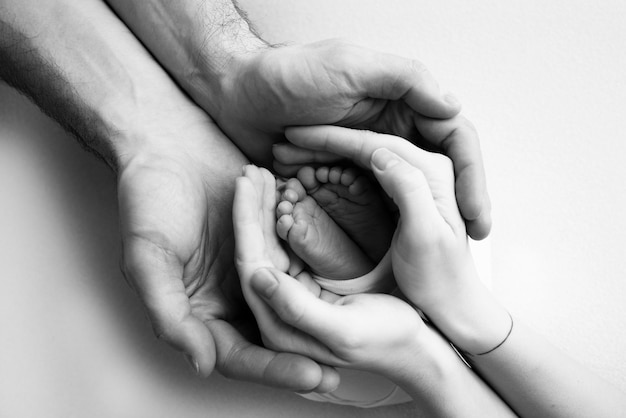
(283,225)
(321,174)
(334,176)
(348,177)
(294,190)
(360,186)
(284,208)
(290,195)
(307,178)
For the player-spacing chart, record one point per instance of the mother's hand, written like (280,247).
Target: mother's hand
(455,137)
(365,331)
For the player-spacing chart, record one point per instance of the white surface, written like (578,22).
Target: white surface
(542,81)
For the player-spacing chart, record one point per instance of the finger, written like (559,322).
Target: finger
(250,244)
(459,140)
(408,188)
(156,275)
(289,154)
(297,306)
(286,170)
(387,76)
(359,145)
(249,237)
(268,204)
(456,137)
(239,359)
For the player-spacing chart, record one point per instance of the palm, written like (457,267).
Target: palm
(167,218)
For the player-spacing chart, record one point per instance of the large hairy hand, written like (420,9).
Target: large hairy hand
(336,83)
(328,82)
(175,199)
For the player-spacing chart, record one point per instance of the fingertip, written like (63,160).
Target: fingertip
(194,339)
(329,381)
(293,131)
(285,170)
(383,159)
(264,283)
(479,229)
(475,207)
(453,103)
(294,372)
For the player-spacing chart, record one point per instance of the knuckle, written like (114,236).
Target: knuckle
(338,44)
(162,332)
(411,180)
(351,341)
(416,68)
(466,124)
(292,312)
(227,362)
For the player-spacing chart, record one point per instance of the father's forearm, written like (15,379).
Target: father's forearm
(195,40)
(78,62)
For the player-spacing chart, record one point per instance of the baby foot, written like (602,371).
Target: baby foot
(354,203)
(316,238)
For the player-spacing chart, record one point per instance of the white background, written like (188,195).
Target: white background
(542,81)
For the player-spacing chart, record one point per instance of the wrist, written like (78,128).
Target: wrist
(471,318)
(163,126)
(198,42)
(442,383)
(138,120)
(431,370)
(215,72)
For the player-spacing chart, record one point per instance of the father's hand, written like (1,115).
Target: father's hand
(175,200)
(254,91)
(328,82)
(336,83)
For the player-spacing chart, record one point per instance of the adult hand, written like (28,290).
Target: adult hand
(430,255)
(373,332)
(176,173)
(327,144)
(336,83)
(328,82)
(254,91)
(363,331)
(175,200)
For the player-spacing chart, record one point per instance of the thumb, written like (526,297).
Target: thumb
(297,306)
(157,279)
(391,77)
(409,189)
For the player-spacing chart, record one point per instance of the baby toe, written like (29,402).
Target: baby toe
(296,190)
(334,176)
(321,174)
(284,208)
(348,176)
(360,186)
(307,177)
(283,225)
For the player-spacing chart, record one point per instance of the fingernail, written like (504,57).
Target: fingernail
(193,363)
(383,159)
(264,282)
(451,99)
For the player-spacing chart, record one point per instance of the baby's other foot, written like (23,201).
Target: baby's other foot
(355,203)
(316,238)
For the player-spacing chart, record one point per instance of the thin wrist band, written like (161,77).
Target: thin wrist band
(501,342)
